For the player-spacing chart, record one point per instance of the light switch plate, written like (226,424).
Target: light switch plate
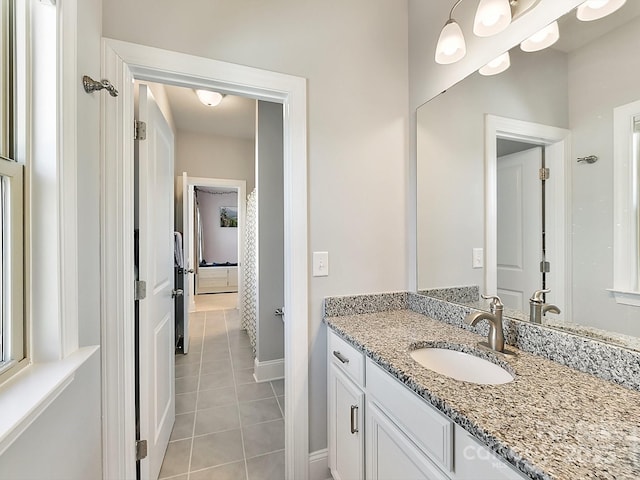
(477,258)
(320,264)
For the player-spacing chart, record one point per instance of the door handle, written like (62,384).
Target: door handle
(176,293)
(354,419)
(279,312)
(340,357)
(191,270)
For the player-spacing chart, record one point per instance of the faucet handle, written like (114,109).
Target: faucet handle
(537,295)
(495,301)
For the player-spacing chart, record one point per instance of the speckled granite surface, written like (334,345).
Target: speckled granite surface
(464,294)
(551,422)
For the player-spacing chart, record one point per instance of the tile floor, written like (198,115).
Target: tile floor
(228,427)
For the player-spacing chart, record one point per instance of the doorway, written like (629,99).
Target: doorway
(555,143)
(123,62)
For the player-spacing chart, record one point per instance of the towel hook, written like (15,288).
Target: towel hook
(90,85)
(589,159)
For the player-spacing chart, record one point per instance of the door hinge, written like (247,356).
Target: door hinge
(141,449)
(139,130)
(141,290)
(545,267)
(544,173)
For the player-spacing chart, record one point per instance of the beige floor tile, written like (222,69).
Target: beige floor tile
(266,467)
(186,384)
(186,402)
(216,449)
(216,398)
(254,391)
(231,471)
(217,419)
(263,438)
(217,366)
(259,411)
(211,381)
(278,386)
(244,376)
(182,427)
(176,460)
(187,370)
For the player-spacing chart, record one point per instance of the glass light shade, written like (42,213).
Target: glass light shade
(497,65)
(542,39)
(595,9)
(451,46)
(209,98)
(492,16)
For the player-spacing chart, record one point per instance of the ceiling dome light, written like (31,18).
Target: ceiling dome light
(596,9)
(209,98)
(492,17)
(542,39)
(451,46)
(497,65)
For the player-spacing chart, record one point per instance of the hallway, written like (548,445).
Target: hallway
(228,427)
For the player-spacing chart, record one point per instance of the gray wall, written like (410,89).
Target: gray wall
(269,177)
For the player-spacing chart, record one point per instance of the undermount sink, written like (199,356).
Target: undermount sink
(461,366)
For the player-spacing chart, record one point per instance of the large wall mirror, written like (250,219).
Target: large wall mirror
(485,217)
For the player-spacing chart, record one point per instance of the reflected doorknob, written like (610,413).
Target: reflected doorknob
(176,293)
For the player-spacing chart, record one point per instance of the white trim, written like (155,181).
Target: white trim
(269,370)
(543,135)
(67,174)
(117,274)
(319,465)
(625,207)
(147,63)
(626,298)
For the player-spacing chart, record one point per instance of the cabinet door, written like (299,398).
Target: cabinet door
(346,439)
(391,455)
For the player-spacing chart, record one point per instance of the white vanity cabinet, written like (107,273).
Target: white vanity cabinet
(345,409)
(400,436)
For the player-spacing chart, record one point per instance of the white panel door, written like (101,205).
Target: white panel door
(519,227)
(156,264)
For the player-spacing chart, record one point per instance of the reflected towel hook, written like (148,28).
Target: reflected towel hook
(589,159)
(90,85)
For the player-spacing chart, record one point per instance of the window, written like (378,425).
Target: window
(12,344)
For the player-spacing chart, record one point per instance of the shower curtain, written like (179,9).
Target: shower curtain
(200,233)
(249,271)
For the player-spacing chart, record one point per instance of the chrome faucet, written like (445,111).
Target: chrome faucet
(537,307)
(496,334)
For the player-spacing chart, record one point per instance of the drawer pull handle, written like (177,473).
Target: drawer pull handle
(340,357)
(354,419)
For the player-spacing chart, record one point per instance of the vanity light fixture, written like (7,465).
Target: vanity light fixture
(492,17)
(497,65)
(596,9)
(451,46)
(209,98)
(542,39)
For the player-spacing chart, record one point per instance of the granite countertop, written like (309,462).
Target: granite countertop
(551,422)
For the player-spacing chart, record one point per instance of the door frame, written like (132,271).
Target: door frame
(558,139)
(121,63)
(241,186)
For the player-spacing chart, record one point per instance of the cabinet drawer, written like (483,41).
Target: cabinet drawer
(346,357)
(430,430)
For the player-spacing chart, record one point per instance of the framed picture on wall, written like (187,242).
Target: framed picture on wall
(228,216)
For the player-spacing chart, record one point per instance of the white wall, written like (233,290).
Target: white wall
(213,156)
(270,179)
(354,55)
(220,243)
(602,75)
(65,441)
(450,147)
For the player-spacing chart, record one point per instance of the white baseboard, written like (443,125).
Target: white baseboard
(267,371)
(319,465)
